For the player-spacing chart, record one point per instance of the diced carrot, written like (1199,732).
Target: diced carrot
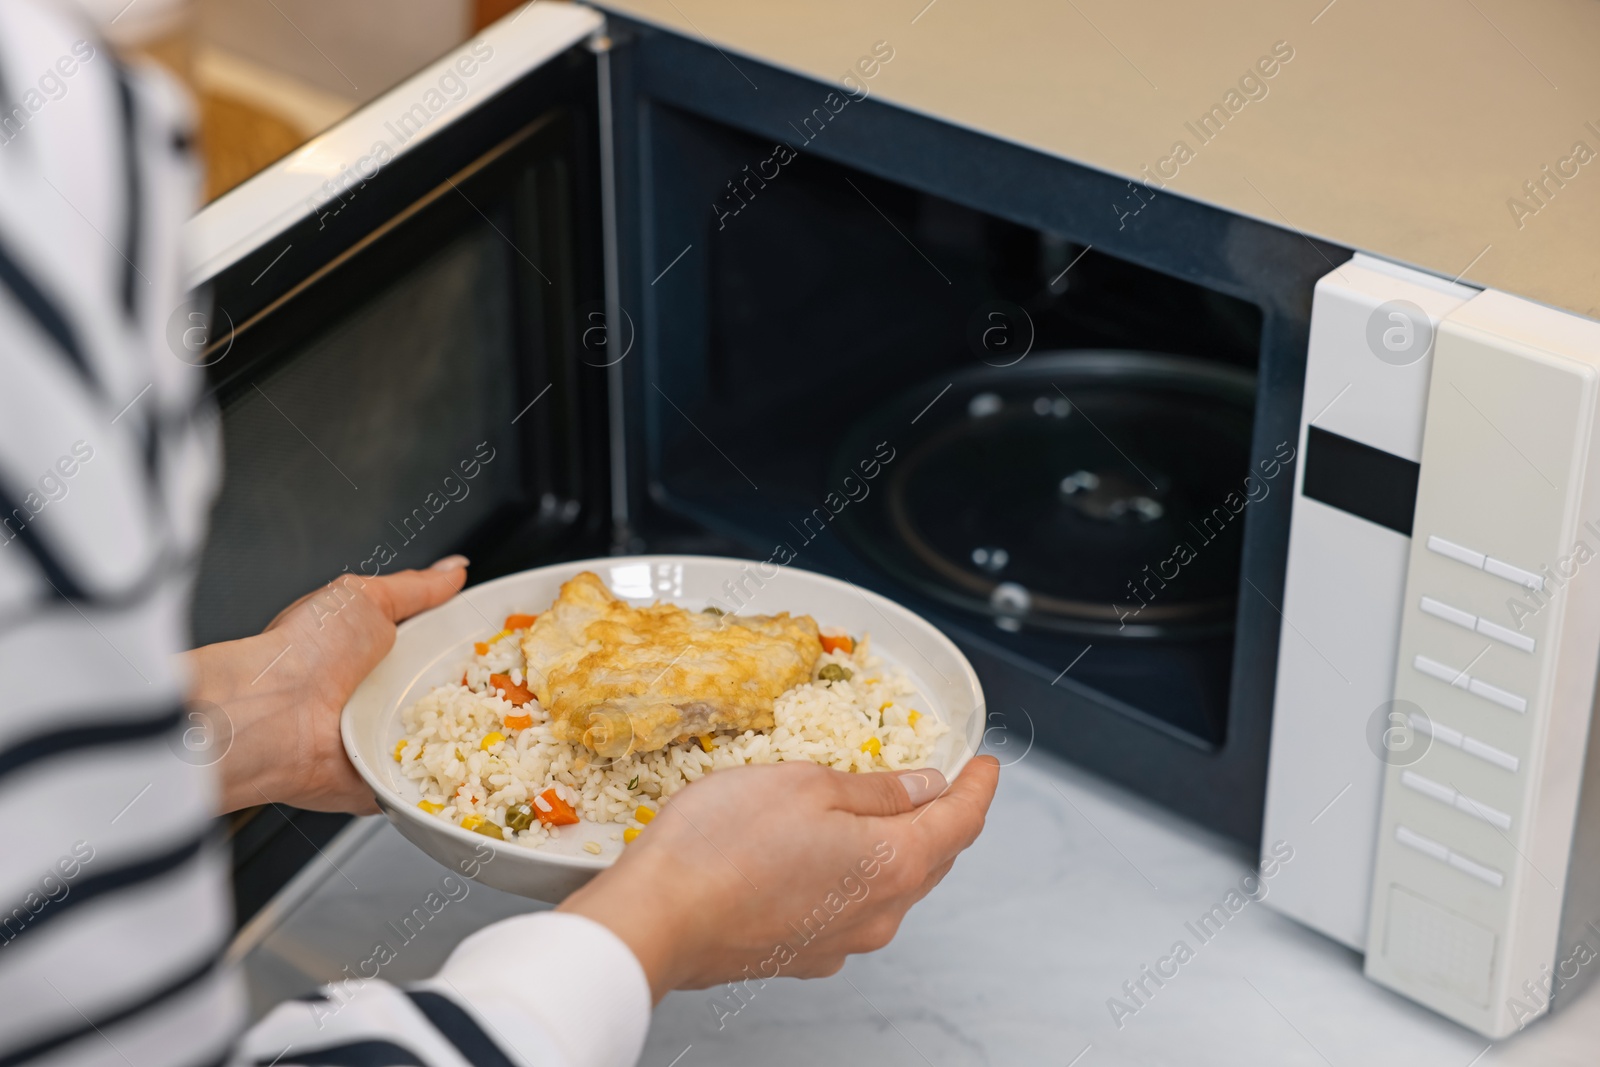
(517,694)
(518,722)
(560,813)
(480,649)
(463,677)
(519,622)
(842,643)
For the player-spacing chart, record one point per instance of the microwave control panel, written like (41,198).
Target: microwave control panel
(1494,677)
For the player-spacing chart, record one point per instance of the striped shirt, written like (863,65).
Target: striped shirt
(114,908)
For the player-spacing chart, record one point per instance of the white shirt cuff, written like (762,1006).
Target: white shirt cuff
(563,975)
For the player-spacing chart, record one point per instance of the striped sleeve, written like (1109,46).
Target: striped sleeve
(547,989)
(114,908)
(113,890)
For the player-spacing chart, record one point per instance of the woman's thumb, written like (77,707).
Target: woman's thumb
(885,794)
(405,593)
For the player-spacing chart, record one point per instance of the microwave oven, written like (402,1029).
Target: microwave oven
(578,289)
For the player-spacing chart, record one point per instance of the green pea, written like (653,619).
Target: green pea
(833,672)
(519,816)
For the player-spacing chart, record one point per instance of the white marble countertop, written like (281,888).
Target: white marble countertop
(1074,886)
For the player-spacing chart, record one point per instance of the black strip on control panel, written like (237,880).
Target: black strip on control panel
(1367,482)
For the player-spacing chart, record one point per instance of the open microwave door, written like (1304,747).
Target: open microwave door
(402,325)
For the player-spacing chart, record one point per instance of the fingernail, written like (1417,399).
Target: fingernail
(450,563)
(923,785)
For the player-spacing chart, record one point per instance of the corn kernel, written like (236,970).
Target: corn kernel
(872,745)
(629,834)
(705,742)
(498,636)
(643,814)
(912,717)
(491,739)
(400,746)
(472,822)
(430,807)
(885,706)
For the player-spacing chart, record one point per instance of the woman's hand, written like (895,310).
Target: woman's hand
(281,692)
(783,869)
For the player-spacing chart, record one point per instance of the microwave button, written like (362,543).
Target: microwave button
(1429,847)
(1513,574)
(1489,753)
(1440,610)
(1506,635)
(1461,802)
(1478,561)
(1456,552)
(1492,816)
(1426,845)
(1448,675)
(1477,870)
(1462,680)
(1489,692)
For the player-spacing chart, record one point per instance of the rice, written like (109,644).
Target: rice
(874,721)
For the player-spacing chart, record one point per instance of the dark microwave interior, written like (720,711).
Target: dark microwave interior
(1003,428)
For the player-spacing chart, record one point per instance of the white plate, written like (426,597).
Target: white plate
(430,649)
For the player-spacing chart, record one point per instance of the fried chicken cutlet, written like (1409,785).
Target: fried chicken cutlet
(621,679)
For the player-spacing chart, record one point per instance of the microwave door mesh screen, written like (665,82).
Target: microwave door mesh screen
(375,445)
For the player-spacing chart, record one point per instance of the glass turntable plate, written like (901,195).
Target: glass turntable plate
(1092,492)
